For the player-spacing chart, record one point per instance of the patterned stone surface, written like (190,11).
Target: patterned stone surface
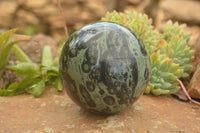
(105,67)
(54,112)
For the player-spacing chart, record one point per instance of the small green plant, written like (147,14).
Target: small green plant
(6,44)
(37,76)
(170,52)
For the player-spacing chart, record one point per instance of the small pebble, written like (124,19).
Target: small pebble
(43,104)
(70,126)
(63,104)
(138,107)
(133,131)
(48,130)
(56,102)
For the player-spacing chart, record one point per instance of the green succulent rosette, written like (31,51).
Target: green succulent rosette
(178,47)
(163,75)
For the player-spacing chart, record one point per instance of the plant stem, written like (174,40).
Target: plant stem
(64,21)
(11,68)
(186,93)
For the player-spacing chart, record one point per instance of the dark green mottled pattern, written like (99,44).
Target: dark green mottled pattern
(104,67)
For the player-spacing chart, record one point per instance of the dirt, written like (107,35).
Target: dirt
(54,112)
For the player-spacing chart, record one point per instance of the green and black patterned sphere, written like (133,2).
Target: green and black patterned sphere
(104,67)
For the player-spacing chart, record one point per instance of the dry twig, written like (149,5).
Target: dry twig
(186,93)
(64,23)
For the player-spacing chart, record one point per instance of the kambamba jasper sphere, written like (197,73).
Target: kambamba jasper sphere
(104,67)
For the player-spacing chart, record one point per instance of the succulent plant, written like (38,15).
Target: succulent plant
(6,44)
(163,75)
(35,76)
(170,52)
(178,47)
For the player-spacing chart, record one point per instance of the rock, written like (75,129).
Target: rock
(34,47)
(78,25)
(194,86)
(72,14)
(97,8)
(196,48)
(111,5)
(47,10)
(68,2)
(27,17)
(193,83)
(194,89)
(134,1)
(85,15)
(36,3)
(182,10)
(7,9)
(194,31)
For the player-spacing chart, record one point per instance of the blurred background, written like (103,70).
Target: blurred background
(42,16)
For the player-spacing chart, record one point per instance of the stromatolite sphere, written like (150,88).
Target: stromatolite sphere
(104,67)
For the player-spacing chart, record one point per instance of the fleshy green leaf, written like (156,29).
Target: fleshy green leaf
(58,84)
(179,73)
(4,37)
(5,47)
(185,75)
(19,88)
(37,88)
(187,67)
(28,82)
(5,55)
(47,58)
(11,91)
(166,85)
(163,92)
(25,68)
(156,92)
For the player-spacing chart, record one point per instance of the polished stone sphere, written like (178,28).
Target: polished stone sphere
(104,67)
